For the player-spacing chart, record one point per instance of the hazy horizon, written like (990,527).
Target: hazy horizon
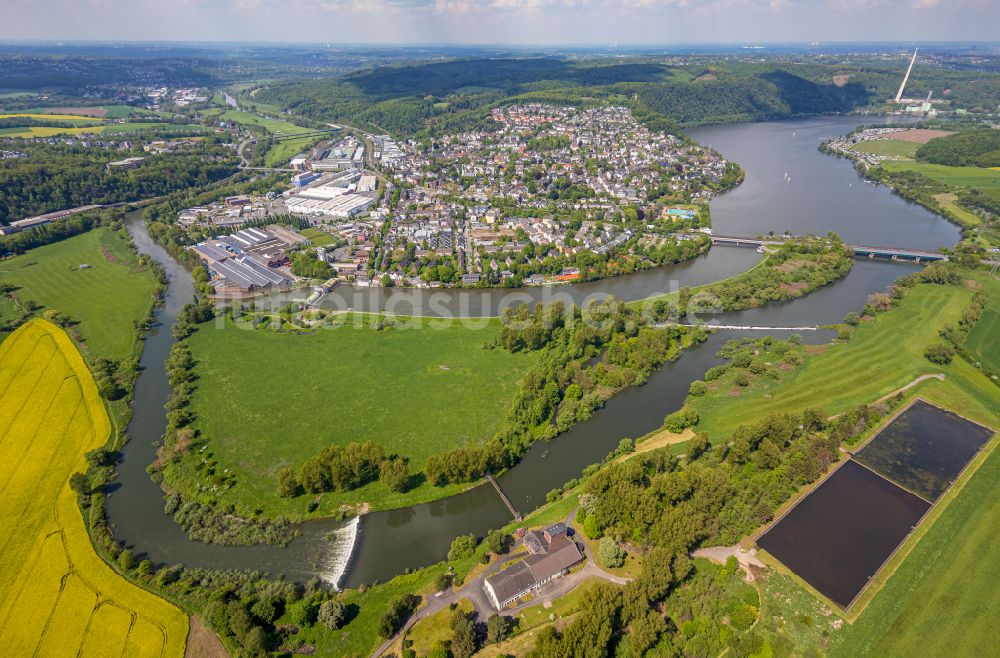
(521,23)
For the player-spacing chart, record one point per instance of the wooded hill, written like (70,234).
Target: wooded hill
(979,147)
(439,97)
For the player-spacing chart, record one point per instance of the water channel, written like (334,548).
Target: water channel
(824,194)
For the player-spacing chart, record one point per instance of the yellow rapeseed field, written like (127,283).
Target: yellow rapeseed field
(51,117)
(57,597)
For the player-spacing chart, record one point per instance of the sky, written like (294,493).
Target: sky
(534,22)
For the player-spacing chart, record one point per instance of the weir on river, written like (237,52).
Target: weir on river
(383,544)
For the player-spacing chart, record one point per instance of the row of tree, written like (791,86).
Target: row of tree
(342,468)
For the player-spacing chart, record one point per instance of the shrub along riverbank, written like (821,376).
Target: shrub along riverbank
(555,367)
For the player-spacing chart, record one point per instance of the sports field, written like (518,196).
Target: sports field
(57,597)
(896,148)
(265,399)
(985,180)
(103,298)
(883,355)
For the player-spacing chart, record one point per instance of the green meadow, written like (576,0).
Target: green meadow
(102,299)
(883,355)
(265,399)
(896,148)
(984,339)
(279,152)
(985,180)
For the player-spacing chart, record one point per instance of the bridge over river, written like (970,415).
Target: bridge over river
(894,253)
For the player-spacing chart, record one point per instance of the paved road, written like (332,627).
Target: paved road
(476,594)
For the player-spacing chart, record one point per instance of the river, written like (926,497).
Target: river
(824,194)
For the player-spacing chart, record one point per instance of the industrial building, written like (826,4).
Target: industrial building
(303,179)
(342,206)
(247,260)
(335,197)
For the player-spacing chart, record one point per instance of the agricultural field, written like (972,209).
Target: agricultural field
(279,398)
(895,148)
(985,180)
(103,299)
(57,597)
(42,131)
(883,355)
(97,111)
(67,118)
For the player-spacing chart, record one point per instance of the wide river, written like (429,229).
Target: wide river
(820,194)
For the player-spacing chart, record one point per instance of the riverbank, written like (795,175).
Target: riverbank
(391,542)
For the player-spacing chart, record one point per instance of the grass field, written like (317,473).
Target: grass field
(883,355)
(984,339)
(985,180)
(57,597)
(104,299)
(895,148)
(280,152)
(271,399)
(317,237)
(148,125)
(11,95)
(435,628)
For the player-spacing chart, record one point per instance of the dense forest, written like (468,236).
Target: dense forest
(58,177)
(969,148)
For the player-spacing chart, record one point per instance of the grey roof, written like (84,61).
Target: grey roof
(247,273)
(534,541)
(562,553)
(262,270)
(212,252)
(511,581)
(234,275)
(556,529)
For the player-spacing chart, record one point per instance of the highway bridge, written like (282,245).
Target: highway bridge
(894,253)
